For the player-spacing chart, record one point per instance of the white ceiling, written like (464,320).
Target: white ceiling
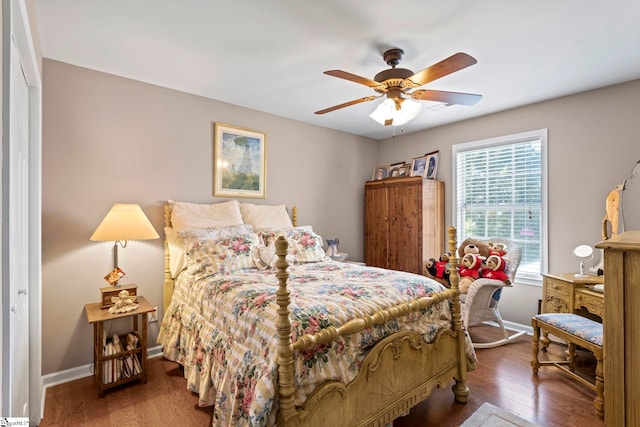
(270,55)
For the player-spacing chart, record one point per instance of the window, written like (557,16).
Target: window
(500,190)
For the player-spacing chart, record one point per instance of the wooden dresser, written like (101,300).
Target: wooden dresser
(621,329)
(404,223)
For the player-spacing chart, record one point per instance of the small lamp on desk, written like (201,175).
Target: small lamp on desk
(124,222)
(583,253)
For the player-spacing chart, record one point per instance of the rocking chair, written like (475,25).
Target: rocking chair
(480,304)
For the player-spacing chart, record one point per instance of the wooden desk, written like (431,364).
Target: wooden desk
(565,293)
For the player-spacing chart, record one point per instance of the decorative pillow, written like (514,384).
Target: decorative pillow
(176,241)
(266,216)
(304,245)
(265,256)
(186,216)
(223,255)
(176,251)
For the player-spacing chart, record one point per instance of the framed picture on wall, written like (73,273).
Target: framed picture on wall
(432,164)
(239,162)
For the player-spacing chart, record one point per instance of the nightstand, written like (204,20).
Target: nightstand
(114,364)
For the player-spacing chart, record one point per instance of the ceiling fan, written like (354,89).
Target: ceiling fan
(396,83)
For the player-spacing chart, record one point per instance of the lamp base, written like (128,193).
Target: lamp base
(113,291)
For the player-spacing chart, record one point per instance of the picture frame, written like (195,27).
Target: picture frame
(380,172)
(403,171)
(394,169)
(239,162)
(432,164)
(419,166)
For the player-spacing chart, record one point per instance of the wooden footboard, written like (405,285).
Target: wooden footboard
(399,372)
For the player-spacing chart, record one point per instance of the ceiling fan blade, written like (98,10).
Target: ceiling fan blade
(447,66)
(446,97)
(354,78)
(347,104)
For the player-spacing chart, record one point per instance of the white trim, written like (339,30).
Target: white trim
(512,326)
(541,134)
(61,377)
(16,26)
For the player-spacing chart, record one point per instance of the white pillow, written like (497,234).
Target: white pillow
(266,216)
(186,216)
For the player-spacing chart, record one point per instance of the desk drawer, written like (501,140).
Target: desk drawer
(556,297)
(593,303)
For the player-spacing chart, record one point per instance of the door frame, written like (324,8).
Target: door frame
(16,25)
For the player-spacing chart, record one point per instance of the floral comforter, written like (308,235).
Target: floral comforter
(222,329)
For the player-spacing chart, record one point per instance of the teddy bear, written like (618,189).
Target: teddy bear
(431,267)
(439,269)
(471,249)
(495,269)
(442,266)
(496,248)
(469,271)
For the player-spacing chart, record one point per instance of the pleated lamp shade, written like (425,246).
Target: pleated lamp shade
(124,222)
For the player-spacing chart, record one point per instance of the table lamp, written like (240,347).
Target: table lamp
(124,222)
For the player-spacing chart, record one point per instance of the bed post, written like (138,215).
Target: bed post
(460,388)
(167,290)
(294,216)
(285,347)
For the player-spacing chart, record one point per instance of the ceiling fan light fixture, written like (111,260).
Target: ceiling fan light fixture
(386,112)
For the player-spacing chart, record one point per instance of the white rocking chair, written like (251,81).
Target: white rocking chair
(480,304)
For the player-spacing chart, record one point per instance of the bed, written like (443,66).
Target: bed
(286,336)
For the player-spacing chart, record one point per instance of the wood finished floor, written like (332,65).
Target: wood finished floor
(503,378)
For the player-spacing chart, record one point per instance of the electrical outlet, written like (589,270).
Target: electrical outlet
(153,315)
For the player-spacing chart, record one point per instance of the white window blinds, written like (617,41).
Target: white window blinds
(499,191)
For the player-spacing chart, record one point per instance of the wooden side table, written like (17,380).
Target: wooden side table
(97,316)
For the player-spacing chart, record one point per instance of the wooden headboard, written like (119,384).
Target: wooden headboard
(168,279)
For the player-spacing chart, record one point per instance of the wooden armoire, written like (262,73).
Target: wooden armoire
(403,223)
(621,324)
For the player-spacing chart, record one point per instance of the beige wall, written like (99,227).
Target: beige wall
(108,139)
(593,144)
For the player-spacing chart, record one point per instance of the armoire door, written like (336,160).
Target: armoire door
(405,227)
(376,223)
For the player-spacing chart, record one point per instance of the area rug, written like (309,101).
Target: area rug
(488,415)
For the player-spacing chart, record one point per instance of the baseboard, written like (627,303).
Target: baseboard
(83,371)
(513,326)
